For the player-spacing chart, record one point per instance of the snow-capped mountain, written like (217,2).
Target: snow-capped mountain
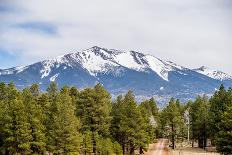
(119,71)
(215,74)
(98,60)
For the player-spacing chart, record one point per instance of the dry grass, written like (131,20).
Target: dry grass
(191,151)
(186,149)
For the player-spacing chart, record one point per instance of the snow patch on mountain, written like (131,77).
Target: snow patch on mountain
(158,66)
(94,62)
(215,74)
(14,70)
(6,72)
(127,60)
(20,69)
(47,65)
(53,78)
(46,68)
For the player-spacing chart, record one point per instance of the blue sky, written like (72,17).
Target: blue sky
(7,58)
(191,33)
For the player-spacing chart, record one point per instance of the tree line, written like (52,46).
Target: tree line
(68,121)
(207,119)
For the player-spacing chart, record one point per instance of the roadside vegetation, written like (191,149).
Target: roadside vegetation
(69,121)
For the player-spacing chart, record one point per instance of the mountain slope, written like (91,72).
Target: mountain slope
(118,71)
(215,74)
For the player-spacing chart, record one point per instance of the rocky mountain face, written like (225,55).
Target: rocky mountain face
(119,72)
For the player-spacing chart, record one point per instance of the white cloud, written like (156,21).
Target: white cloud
(191,32)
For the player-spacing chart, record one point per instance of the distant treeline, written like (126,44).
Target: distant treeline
(69,121)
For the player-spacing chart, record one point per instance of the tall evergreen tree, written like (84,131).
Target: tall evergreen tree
(149,112)
(36,120)
(199,120)
(35,90)
(52,89)
(131,128)
(94,108)
(174,120)
(65,137)
(87,143)
(15,126)
(218,104)
(220,120)
(224,136)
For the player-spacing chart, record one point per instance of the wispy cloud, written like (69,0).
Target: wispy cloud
(38,27)
(191,32)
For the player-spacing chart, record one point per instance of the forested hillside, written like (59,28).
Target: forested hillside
(70,121)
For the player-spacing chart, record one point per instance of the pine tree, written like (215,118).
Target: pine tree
(117,148)
(16,128)
(52,90)
(64,136)
(174,120)
(74,94)
(117,114)
(220,119)
(224,136)
(87,145)
(130,130)
(218,104)
(199,120)
(3,91)
(35,118)
(35,90)
(94,107)
(149,112)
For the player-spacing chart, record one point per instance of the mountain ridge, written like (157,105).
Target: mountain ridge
(119,71)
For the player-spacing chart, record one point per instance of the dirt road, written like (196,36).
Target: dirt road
(160,148)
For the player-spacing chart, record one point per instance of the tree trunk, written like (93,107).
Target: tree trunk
(204,139)
(140,150)
(192,142)
(200,142)
(123,148)
(7,152)
(132,150)
(173,138)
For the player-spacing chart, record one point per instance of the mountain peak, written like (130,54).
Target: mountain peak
(215,74)
(101,60)
(95,48)
(119,71)
(203,68)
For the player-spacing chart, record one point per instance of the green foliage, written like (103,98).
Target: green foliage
(174,121)
(199,120)
(64,136)
(87,143)
(52,89)
(129,127)
(69,121)
(149,113)
(224,136)
(94,107)
(35,119)
(105,146)
(220,120)
(16,128)
(117,148)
